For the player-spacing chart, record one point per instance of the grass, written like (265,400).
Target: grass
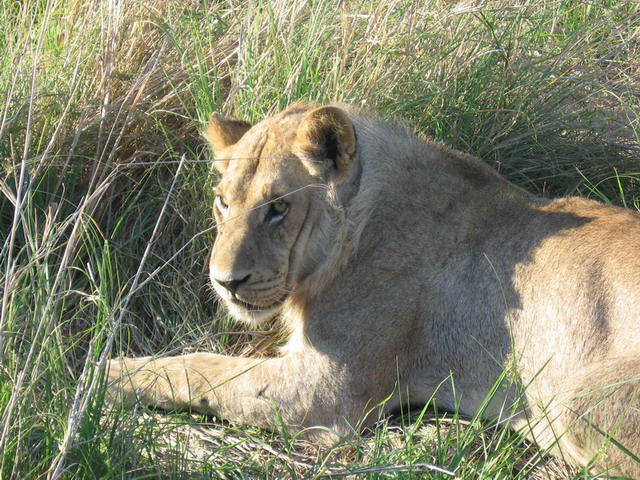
(105,195)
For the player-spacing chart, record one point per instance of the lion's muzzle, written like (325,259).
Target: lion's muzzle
(232,285)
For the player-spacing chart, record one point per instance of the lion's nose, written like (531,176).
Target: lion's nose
(234,284)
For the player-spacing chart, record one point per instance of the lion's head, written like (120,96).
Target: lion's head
(277,206)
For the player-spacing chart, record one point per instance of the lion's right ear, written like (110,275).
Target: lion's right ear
(221,133)
(326,143)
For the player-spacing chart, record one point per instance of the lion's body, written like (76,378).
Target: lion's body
(403,267)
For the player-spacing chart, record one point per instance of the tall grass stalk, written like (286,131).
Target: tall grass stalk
(105,196)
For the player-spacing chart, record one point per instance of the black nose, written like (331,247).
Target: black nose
(232,285)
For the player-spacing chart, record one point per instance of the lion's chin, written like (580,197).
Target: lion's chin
(251,314)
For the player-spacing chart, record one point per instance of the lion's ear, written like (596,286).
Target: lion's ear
(223,132)
(326,143)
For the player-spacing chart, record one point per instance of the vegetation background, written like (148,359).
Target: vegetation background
(105,197)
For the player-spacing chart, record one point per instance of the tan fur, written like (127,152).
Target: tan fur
(407,269)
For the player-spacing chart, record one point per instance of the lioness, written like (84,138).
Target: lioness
(403,268)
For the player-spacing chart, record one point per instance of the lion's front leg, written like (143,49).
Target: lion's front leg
(296,390)
(173,382)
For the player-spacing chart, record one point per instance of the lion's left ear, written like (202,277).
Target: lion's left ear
(326,143)
(223,132)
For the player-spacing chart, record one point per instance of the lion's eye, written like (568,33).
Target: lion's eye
(277,210)
(279,206)
(220,205)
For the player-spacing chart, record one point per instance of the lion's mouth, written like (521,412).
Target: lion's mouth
(251,307)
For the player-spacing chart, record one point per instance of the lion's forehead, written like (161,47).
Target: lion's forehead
(273,136)
(265,180)
(271,172)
